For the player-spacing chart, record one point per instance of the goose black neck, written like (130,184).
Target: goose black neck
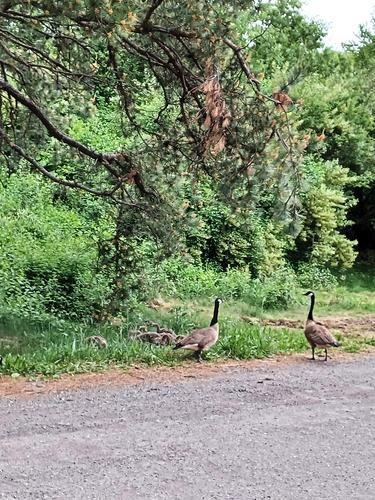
(216,314)
(310,316)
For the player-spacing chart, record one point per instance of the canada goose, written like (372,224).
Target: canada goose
(1,360)
(203,338)
(317,334)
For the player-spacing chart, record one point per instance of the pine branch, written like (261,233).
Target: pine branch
(104,158)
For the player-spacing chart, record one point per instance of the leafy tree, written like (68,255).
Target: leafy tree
(58,59)
(180,131)
(129,101)
(48,251)
(325,207)
(336,114)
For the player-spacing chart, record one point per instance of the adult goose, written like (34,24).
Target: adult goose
(318,336)
(202,339)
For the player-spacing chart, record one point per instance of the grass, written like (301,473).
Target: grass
(56,347)
(241,341)
(52,353)
(340,301)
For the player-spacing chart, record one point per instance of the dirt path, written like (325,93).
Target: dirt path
(363,325)
(292,430)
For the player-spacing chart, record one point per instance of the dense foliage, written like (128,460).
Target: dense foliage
(147,149)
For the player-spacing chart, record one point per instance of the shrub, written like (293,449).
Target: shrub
(48,252)
(276,291)
(313,276)
(325,206)
(182,278)
(227,237)
(187,280)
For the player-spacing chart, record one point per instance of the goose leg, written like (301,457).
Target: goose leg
(325,359)
(313,352)
(198,356)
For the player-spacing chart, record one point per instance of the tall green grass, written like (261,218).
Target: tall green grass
(52,352)
(242,341)
(51,347)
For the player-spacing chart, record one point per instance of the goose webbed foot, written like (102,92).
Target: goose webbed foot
(198,356)
(325,355)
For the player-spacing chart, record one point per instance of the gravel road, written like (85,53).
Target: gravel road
(299,430)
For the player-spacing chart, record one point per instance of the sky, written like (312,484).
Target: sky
(342,17)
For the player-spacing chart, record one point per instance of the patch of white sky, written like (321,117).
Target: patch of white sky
(342,18)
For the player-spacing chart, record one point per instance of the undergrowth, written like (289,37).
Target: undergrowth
(45,345)
(64,349)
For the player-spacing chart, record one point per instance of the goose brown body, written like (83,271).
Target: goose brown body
(316,333)
(319,336)
(203,338)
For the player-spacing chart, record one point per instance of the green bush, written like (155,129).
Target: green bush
(325,207)
(179,278)
(312,276)
(277,291)
(228,237)
(182,278)
(48,252)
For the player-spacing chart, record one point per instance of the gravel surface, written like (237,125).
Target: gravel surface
(301,430)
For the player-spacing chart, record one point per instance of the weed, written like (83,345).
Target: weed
(51,346)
